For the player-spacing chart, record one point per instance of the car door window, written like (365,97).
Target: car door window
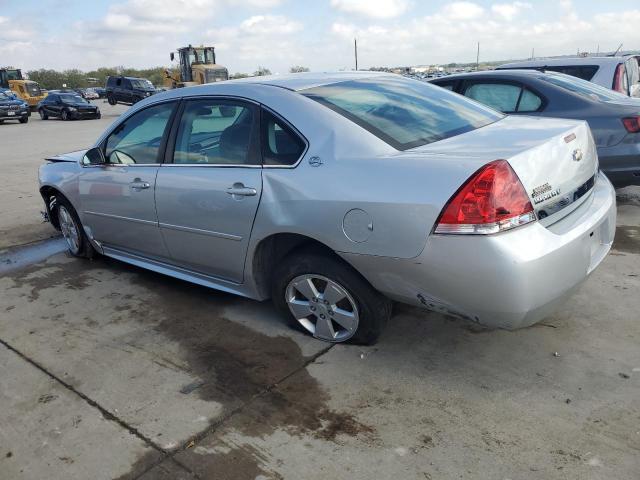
(137,140)
(280,144)
(501,96)
(448,85)
(529,102)
(506,97)
(216,132)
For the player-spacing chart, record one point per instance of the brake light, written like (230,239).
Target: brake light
(618,79)
(491,201)
(632,124)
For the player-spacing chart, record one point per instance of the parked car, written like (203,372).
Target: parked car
(614,118)
(621,74)
(67,106)
(13,108)
(102,92)
(128,90)
(334,194)
(89,94)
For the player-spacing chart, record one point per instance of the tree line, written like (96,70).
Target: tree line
(74,78)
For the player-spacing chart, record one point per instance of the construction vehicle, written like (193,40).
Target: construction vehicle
(27,90)
(197,65)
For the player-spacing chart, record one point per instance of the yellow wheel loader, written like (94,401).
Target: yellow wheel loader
(197,65)
(27,90)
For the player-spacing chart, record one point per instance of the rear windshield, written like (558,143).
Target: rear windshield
(585,72)
(402,112)
(584,88)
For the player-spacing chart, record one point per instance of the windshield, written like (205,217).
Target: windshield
(70,98)
(216,74)
(33,88)
(144,84)
(584,88)
(6,96)
(402,112)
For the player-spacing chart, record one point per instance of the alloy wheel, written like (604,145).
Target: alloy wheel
(323,307)
(69,229)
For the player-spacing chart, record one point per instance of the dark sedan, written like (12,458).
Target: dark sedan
(12,108)
(614,118)
(67,106)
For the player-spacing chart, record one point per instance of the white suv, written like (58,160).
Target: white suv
(621,74)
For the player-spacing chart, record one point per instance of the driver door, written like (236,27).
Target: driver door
(118,198)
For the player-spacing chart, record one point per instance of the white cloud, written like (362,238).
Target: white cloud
(462,11)
(269,25)
(509,11)
(372,8)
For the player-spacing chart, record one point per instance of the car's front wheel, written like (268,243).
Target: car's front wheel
(64,115)
(72,231)
(43,114)
(111,99)
(326,298)
(24,119)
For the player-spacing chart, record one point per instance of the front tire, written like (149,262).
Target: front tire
(111,100)
(24,119)
(328,299)
(64,115)
(72,231)
(43,114)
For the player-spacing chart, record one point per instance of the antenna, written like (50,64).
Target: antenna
(478,58)
(616,52)
(355,51)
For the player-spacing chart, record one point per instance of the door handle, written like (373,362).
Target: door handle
(241,190)
(138,184)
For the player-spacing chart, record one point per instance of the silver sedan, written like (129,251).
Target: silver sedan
(336,194)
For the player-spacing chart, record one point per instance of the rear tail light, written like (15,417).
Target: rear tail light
(491,201)
(618,79)
(632,124)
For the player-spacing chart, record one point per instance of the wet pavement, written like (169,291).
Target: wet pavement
(171,380)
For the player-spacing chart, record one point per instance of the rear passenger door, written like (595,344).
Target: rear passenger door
(208,190)
(507,97)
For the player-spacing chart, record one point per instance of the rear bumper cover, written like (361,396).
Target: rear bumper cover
(621,163)
(508,280)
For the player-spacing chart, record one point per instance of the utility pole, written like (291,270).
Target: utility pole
(355,51)
(478,58)
(533,56)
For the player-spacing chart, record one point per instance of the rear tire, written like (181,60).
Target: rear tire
(43,114)
(351,309)
(77,241)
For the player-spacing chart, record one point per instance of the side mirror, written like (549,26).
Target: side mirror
(94,156)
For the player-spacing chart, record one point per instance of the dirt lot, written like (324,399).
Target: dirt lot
(108,371)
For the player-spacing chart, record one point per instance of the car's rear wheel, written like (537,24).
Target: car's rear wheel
(326,298)
(72,231)
(43,114)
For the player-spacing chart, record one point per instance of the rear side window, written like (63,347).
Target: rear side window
(280,144)
(581,87)
(633,72)
(505,97)
(402,112)
(585,72)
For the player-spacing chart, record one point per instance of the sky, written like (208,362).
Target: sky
(318,34)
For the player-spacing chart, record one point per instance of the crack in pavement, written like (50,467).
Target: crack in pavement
(192,441)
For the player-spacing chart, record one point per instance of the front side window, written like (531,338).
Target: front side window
(402,112)
(280,144)
(137,140)
(506,97)
(215,132)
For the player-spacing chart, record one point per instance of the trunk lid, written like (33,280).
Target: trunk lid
(555,159)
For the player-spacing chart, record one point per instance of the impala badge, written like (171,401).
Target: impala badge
(577,155)
(543,193)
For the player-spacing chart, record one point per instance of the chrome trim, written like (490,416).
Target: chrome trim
(118,217)
(200,231)
(567,199)
(206,165)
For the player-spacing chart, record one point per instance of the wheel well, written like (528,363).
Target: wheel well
(272,250)
(49,195)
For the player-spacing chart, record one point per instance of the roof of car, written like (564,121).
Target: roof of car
(304,80)
(485,73)
(565,61)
